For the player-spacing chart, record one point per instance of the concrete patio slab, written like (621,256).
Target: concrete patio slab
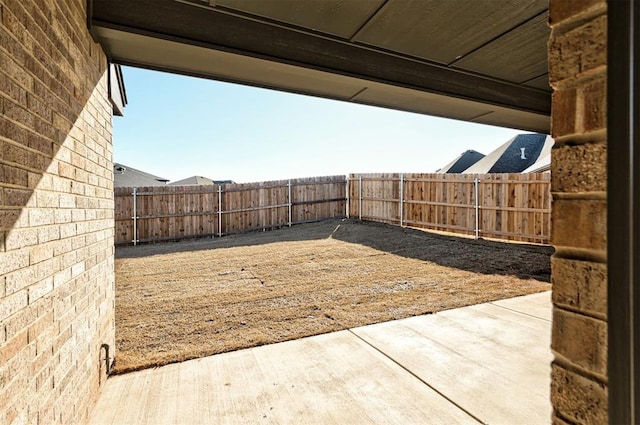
(487,363)
(491,361)
(330,379)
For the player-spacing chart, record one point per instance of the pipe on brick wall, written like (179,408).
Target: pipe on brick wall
(107,359)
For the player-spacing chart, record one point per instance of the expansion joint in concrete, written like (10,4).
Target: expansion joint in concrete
(416,376)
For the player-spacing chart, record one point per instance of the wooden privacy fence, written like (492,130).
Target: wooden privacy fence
(504,206)
(157,213)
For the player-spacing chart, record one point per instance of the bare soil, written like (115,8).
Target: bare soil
(183,300)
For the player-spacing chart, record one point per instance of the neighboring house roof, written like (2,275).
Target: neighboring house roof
(543,163)
(514,156)
(125,176)
(199,180)
(463,161)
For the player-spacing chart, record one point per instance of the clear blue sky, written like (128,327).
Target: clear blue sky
(176,127)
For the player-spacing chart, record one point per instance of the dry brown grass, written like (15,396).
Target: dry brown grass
(185,300)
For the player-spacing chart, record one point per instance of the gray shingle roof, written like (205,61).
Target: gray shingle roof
(521,153)
(125,176)
(514,156)
(199,180)
(463,161)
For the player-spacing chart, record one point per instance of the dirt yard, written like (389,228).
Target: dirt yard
(178,301)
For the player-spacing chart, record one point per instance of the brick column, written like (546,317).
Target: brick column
(578,75)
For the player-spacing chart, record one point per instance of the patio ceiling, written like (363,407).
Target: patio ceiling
(482,61)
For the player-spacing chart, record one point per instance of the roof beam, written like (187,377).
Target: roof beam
(246,36)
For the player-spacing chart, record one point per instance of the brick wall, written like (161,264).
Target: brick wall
(56,213)
(578,73)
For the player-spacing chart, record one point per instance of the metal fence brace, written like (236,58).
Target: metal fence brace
(213,229)
(289,199)
(401,198)
(219,211)
(347,187)
(360,197)
(135,216)
(477,206)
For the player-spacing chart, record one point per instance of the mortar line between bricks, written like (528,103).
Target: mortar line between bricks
(572,22)
(578,81)
(563,417)
(578,312)
(580,196)
(576,139)
(562,362)
(580,254)
(416,376)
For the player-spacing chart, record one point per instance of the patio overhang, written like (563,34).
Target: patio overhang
(482,62)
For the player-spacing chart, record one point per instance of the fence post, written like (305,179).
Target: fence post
(360,197)
(135,216)
(213,202)
(219,210)
(289,199)
(475,187)
(347,186)
(401,197)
